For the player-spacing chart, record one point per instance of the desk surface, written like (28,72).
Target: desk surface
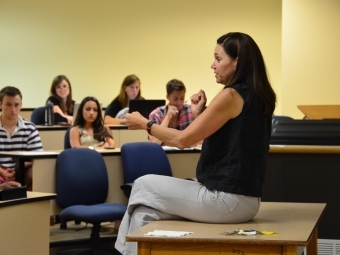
(55,153)
(316,149)
(293,222)
(59,127)
(313,149)
(318,112)
(31,197)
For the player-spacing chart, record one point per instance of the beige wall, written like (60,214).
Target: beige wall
(96,43)
(310,54)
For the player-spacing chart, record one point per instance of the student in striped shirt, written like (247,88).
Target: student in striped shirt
(16,134)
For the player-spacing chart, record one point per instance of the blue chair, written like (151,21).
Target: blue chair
(141,158)
(67,144)
(82,187)
(38,116)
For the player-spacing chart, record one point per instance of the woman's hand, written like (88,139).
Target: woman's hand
(198,102)
(136,121)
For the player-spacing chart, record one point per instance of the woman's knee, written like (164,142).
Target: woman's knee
(146,180)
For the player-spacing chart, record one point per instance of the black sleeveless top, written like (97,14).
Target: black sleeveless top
(233,159)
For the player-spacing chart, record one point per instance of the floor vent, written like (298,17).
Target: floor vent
(328,247)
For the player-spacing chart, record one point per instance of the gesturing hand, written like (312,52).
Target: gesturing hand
(198,102)
(135,121)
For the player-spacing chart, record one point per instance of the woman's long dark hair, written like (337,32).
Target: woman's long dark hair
(250,68)
(99,131)
(68,107)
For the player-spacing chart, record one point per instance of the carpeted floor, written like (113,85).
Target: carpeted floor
(78,237)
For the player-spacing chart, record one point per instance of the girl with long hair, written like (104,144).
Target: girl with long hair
(88,129)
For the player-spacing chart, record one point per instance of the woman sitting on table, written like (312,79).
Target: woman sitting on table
(88,129)
(61,97)
(129,90)
(236,128)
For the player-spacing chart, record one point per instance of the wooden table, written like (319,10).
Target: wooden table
(294,174)
(295,224)
(25,224)
(319,112)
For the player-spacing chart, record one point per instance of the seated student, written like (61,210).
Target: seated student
(88,129)
(129,90)
(177,114)
(61,97)
(10,184)
(16,134)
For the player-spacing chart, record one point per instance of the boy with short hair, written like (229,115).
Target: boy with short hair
(16,134)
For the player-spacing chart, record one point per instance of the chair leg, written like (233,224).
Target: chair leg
(95,239)
(63,224)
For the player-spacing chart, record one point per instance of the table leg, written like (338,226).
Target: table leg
(312,247)
(289,250)
(144,248)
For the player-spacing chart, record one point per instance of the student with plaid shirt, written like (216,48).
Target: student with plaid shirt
(177,114)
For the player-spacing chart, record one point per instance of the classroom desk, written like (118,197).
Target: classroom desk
(319,112)
(52,137)
(295,224)
(183,164)
(25,224)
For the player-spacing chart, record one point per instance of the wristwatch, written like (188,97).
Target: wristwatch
(148,126)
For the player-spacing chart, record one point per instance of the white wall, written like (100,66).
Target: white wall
(310,54)
(96,43)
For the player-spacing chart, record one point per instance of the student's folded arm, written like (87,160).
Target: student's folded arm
(109,140)
(226,105)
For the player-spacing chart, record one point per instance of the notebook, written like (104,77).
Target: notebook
(145,107)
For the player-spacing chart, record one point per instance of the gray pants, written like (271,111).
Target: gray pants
(156,197)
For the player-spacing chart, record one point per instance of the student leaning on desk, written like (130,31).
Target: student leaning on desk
(88,129)
(16,134)
(177,114)
(236,128)
(61,97)
(129,90)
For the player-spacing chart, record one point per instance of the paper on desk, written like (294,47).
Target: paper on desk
(170,148)
(168,233)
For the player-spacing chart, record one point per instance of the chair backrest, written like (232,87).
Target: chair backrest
(305,132)
(106,110)
(141,158)
(277,118)
(67,144)
(38,116)
(81,178)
